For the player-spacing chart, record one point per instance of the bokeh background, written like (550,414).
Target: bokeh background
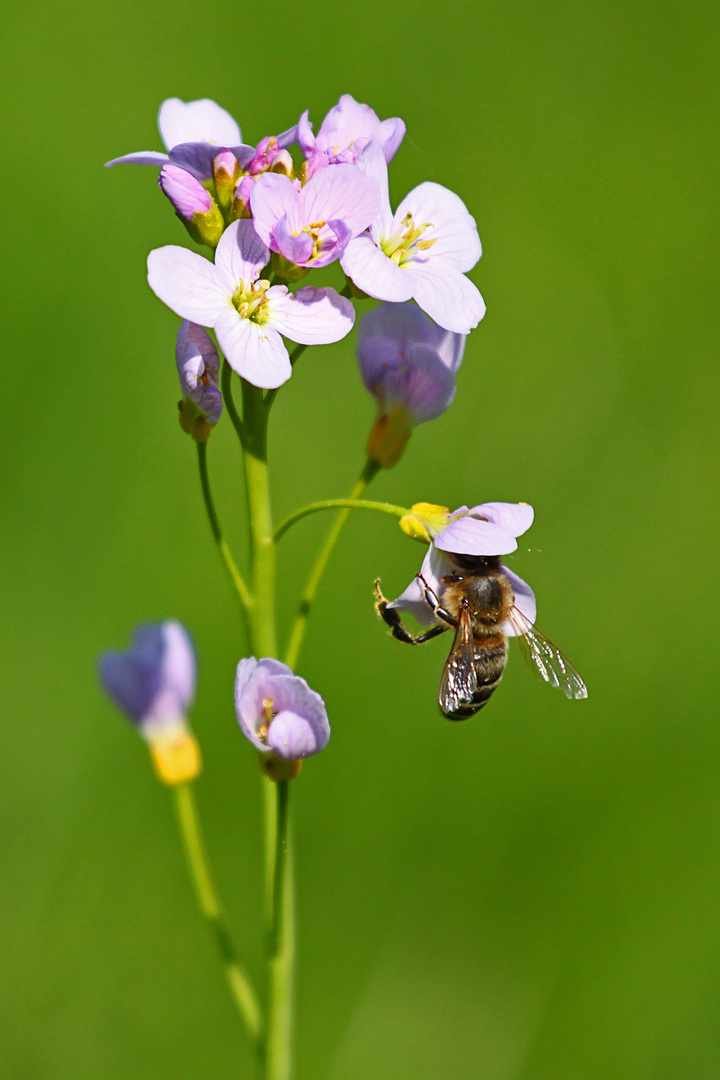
(532,895)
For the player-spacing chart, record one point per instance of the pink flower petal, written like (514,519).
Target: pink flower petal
(340,191)
(187,283)
(255,352)
(453,229)
(412,600)
(372,161)
(273,197)
(446,295)
(140,157)
(374,273)
(196,121)
(312,316)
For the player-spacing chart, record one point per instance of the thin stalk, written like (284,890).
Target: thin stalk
(277,1046)
(226,383)
(338,504)
(280,931)
(235,575)
(294,356)
(237,977)
(303,613)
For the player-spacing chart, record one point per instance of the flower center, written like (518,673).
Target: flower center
(405,243)
(250,300)
(313,231)
(267,712)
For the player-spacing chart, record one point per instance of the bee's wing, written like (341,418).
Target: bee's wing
(459,678)
(546,658)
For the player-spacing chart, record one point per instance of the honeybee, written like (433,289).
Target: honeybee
(477,601)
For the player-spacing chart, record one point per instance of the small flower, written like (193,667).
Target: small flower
(153,683)
(312,227)
(408,363)
(278,712)
(423,251)
(486,530)
(198,366)
(345,132)
(247,314)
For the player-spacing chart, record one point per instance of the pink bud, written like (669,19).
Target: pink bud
(187,194)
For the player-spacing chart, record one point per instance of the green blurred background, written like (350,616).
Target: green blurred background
(532,895)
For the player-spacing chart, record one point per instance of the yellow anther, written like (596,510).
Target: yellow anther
(425,244)
(424,521)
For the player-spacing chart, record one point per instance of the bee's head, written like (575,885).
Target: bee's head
(474,562)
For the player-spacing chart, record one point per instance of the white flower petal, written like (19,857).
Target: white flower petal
(524,600)
(240,255)
(372,271)
(196,121)
(446,295)
(514,518)
(255,352)
(470,536)
(453,228)
(140,157)
(412,600)
(187,283)
(372,161)
(312,316)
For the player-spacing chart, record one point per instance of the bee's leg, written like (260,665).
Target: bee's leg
(392,618)
(432,600)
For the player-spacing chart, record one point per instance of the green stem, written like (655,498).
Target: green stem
(237,978)
(278,865)
(235,575)
(350,503)
(226,382)
(354,502)
(294,356)
(280,931)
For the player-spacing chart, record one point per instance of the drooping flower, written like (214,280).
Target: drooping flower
(313,226)
(344,133)
(247,314)
(486,530)
(422,252)
(408,363)
(153,683)
(278,712)
(198,366)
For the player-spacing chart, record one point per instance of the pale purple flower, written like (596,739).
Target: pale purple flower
(408,363)
(486,530)
(246,313)
(421,252)
(345,132)
(194,134)
(313,226)
(277,711)
(198,366)
(153,683)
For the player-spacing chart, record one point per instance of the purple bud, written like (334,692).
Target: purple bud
(277,711)
(408,364)
(187,194)
(153,683)
(198,366)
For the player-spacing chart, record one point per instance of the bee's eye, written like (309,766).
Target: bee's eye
(470,562)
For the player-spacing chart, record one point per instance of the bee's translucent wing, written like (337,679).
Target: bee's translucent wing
(546,658)
(459,678)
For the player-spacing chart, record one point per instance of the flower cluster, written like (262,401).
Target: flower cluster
(272,219)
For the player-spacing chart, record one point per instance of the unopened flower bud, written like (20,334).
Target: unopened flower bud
(195,207)
(226,174)
(198,366)
(153,683)
(279,714)
(424,521)
(241,202)
(283,163)
(408,364)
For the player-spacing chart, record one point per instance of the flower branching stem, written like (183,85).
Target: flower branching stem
(237,978)
(353,503)
(235,575)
